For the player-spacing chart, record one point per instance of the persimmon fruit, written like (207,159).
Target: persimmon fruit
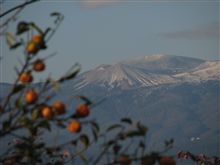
(26,77)
(46,112)
(32,48)
(82,110)
(74,126)
(37,39)
(31,96)
(59,108)
(167,160)
(34,44)
(38,65)
(124,160)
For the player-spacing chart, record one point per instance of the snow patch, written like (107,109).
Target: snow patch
(141,73)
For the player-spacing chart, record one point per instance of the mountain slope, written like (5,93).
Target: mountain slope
(150,71)
(206,71)
(175,96)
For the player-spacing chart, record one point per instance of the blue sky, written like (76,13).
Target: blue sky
(105,32)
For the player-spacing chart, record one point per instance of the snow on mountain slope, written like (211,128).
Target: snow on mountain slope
(150,71)
(208,70)
(165,64)
(122,75)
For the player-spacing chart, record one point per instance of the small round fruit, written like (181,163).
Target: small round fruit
(124,160)
(31,96)
(59,108)
(26,77)
(166,160)
(32,48)
(82,110)
(74,127)
(38,65)
(36,39)
(46,112)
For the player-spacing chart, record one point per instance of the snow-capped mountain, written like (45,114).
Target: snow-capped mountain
(176,97)
(150,71)
(209,70)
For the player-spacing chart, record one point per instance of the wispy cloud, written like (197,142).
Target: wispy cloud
(98,3)
(198,33)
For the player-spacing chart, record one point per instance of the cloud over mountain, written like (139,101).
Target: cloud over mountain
(197,33)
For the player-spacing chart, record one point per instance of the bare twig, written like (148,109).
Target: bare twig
(17,7)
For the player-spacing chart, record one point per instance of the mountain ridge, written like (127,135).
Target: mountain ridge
(150,71)
(181,109)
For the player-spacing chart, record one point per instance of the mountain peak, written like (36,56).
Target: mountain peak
(155,57)
(102,67)
(161,57)
(148,71)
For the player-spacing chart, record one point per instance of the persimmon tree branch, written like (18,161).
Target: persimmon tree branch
(17,7)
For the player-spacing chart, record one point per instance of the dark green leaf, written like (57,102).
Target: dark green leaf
(83,158)
(133,133)
(114,127)
(74,70)
(95,125)
(22,27)
(70,76)
(36,27)
(94,132)
(14,46)
(18,88)
(6,124)
(45,124)
(55,14)
(25,121)
(58,17)
(19,102)
(126,120)
(142,128)
(84,139)
(35,114)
